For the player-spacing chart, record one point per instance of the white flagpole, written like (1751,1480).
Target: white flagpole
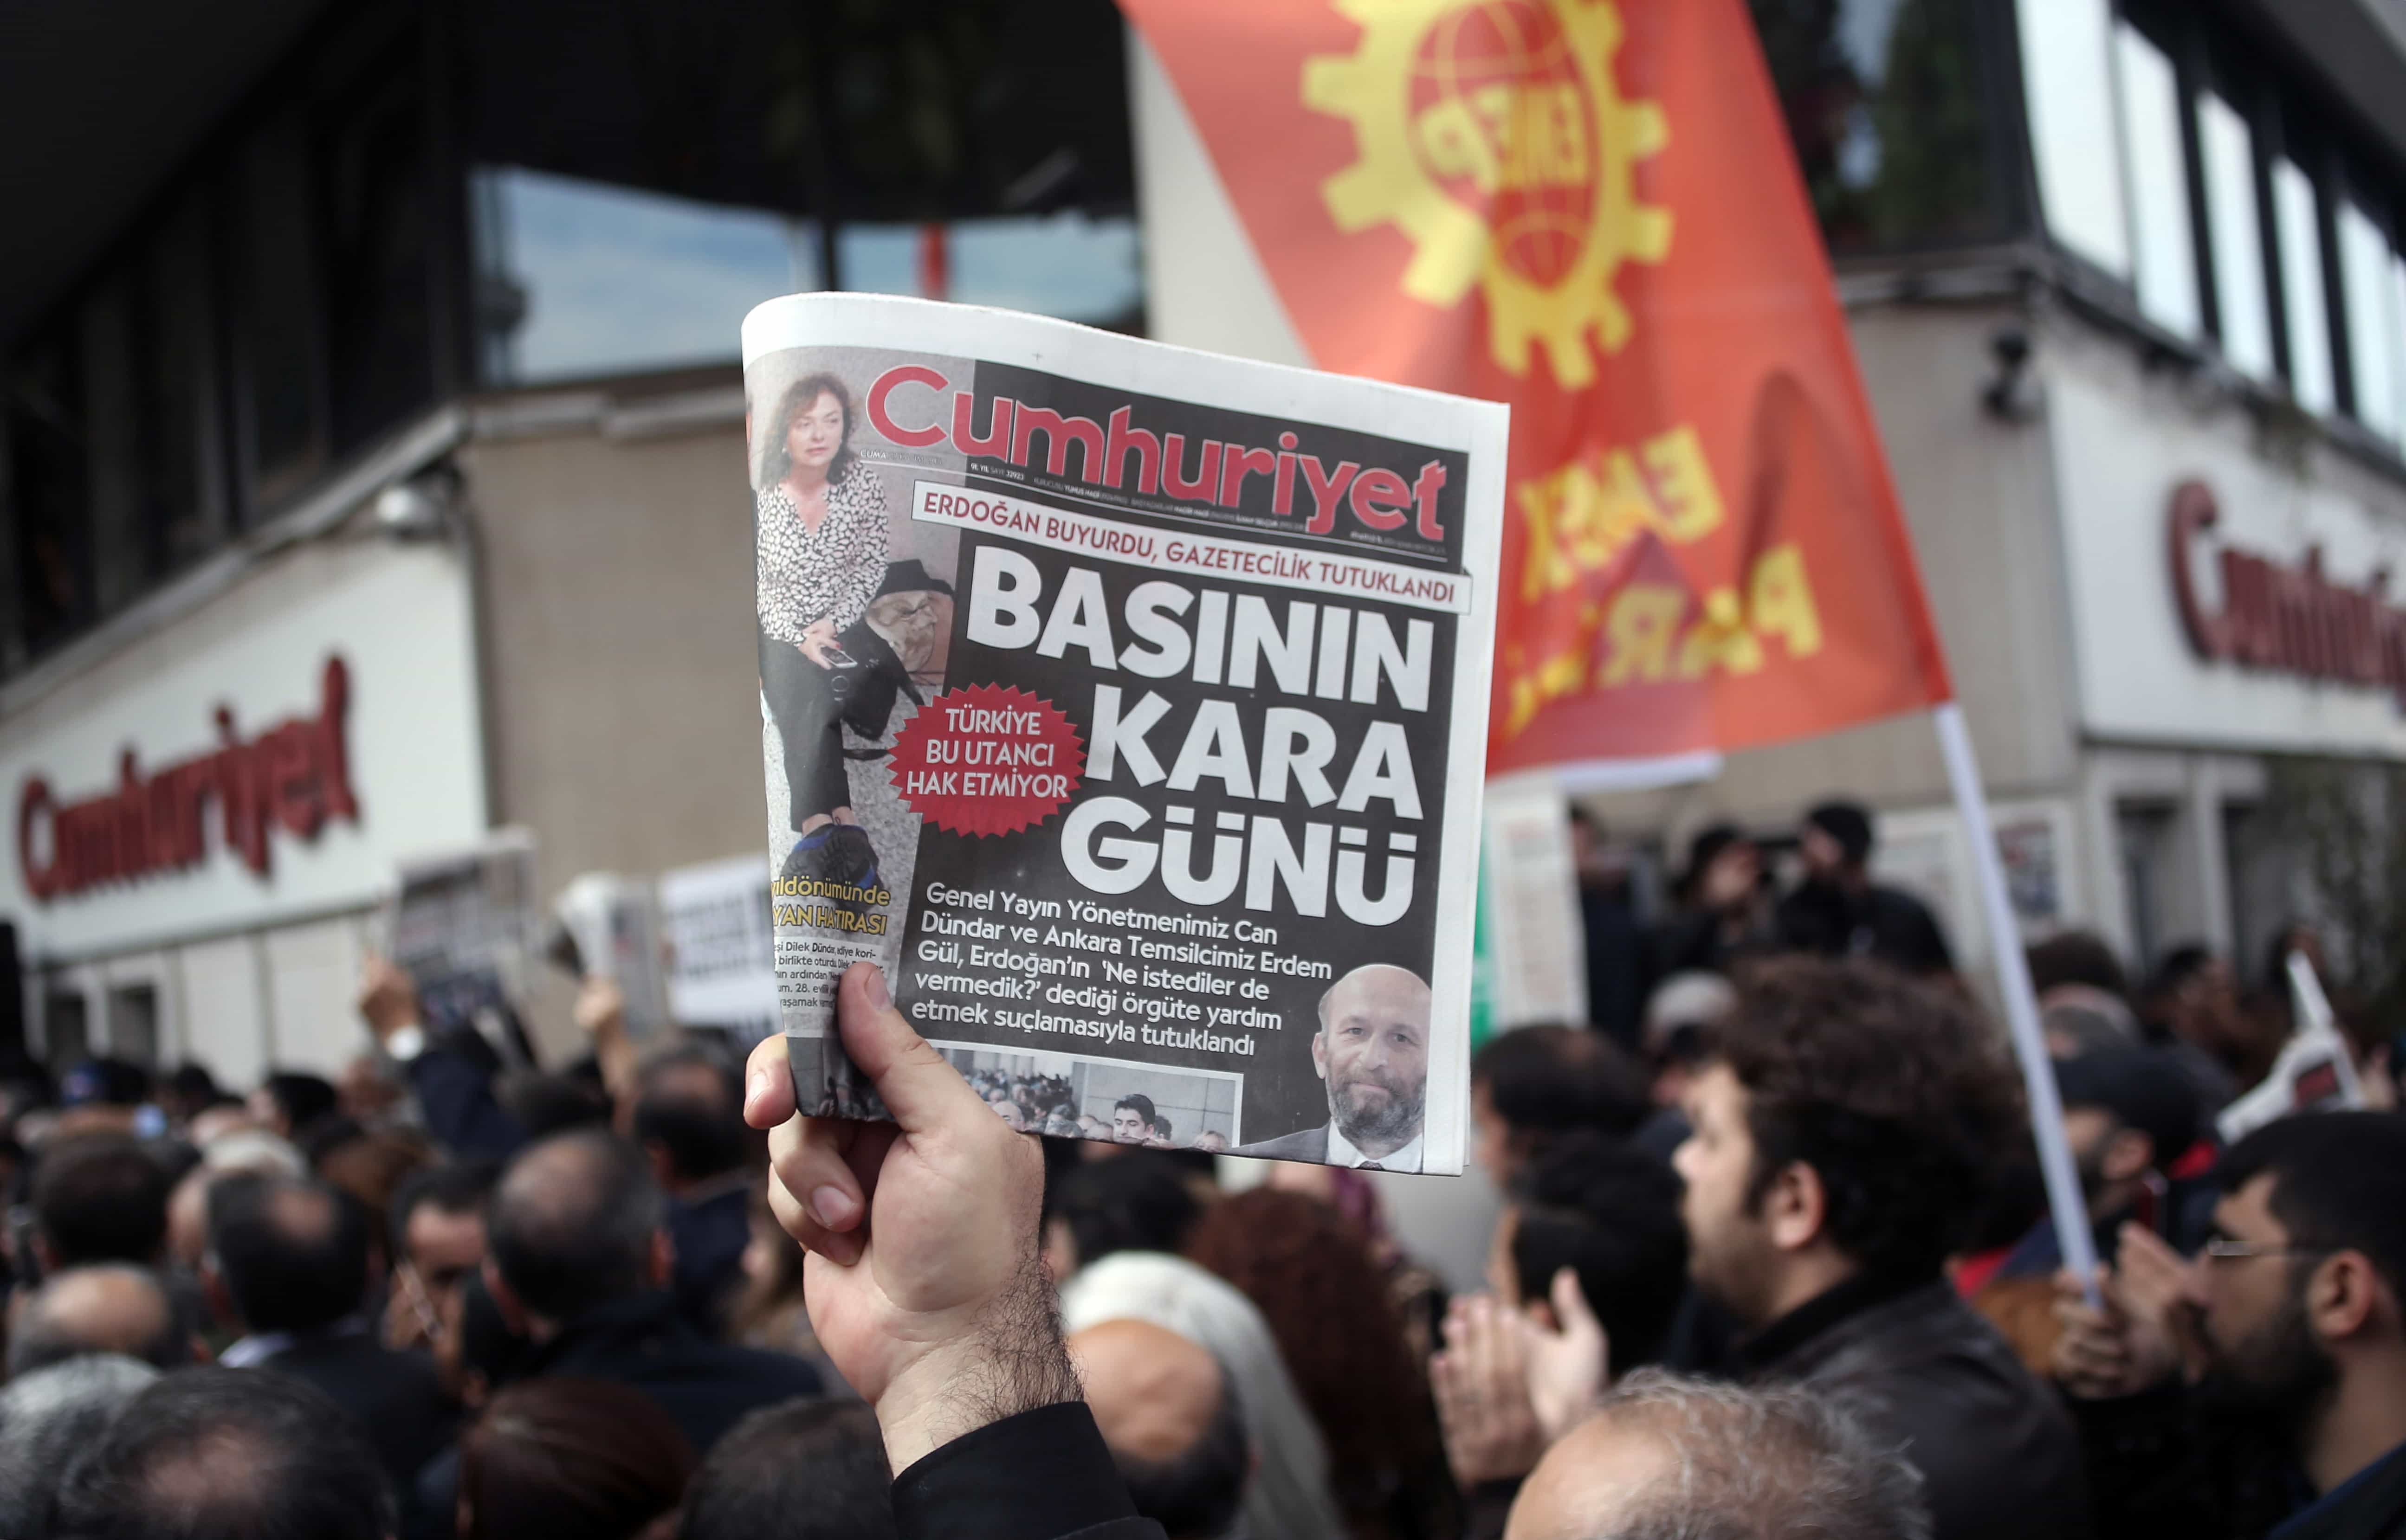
(2064,1198)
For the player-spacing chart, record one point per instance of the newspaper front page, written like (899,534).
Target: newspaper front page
(1128,705)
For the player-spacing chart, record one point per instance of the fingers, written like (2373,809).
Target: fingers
(768,1085)
(919,1088)
(818,1196)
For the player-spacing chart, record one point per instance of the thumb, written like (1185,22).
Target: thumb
(916,1084)
(1570,1303)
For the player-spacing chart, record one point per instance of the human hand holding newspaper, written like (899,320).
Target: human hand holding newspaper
(923,1281)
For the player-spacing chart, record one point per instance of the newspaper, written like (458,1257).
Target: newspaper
(1129,706)
(461,925)
(721,957)
(613,931)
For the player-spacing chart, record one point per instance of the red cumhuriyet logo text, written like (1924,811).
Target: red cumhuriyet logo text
(295,775)
(1118,453)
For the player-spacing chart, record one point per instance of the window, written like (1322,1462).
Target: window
(2066,46)
(1078,267)
(581,278)
(2298,228)
(1895,116)
(2163,242)
(2364,262)
(2236,235)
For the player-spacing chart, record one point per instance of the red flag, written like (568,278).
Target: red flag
(1589,209)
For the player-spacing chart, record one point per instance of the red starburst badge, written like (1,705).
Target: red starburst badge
(987,759)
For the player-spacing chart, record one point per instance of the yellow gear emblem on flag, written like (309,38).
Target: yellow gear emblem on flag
(1493,133)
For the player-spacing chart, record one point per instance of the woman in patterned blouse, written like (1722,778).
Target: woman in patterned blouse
(820,533)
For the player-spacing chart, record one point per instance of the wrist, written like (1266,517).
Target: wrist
(1014,1360)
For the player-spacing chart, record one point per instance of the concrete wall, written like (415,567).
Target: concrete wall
(620,646)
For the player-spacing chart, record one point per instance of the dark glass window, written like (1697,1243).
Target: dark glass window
(375,187)
(1898,111)
(277,312)
(49,461)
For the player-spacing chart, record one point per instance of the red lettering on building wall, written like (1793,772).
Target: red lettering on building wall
(2284,619)
(295,775)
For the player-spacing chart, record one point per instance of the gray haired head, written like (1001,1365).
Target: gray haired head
(1737,1464)
(48,1420)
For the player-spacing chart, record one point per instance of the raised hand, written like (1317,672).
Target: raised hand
(922,1282)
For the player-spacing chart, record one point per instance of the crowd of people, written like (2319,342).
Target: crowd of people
(1773,1260)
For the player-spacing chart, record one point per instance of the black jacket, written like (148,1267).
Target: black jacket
(395,1397)
(1044,1474)
(1998,1455)
(2371,1505)
(705,1387)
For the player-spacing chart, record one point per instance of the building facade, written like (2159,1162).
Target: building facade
(396,344)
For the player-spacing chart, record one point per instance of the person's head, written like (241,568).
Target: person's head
(2127,1111)
(50,1420)
(1724,868)
(187,1092)
(229,1454)
(689,1118)
(289,1101)
(371,1166)
(1132,1119)
(800,1470)
(99,1197)
(218,1119)
(1850,1121)
(1007,1107)
(570,1458)
(106,1308)
(1670,1458)
(104,1081)
(1836,841)
(1312,1273)
(1139,1202)
(1061,1122)
(1683,1015)
(285,1255)
(1171,1421)
(544,1104)
(2301,1285)
(437,1220)
(1533,1087)
(576,1222)
(2076,958)
(811,431)
(1163,1129)
(1611,1214)
(1372,1051)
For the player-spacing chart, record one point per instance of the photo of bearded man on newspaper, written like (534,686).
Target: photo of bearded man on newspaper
(1372,1055)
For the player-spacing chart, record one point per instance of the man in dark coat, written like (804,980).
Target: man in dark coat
(1839,912)
(287,1266)
(1844,1131)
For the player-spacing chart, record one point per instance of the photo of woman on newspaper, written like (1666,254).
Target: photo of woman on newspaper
(821,538)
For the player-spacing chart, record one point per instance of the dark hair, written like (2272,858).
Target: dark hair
(1847,823)
(1547,1082)
(777,463)
(2077,957)
(1196,1493)
(544,1105)
(293,1253)
(2142,1089)
(1136,1203)
(570,1458)
(229,1454)
(1310,1271)
(702,1130)
(112,1082)
(1611,1214)
(1161,1126)
(194,1085)
(1138,1101)
(42,1338)
(809,1469)
(571,1223)
(2338,1181)
(301,1099)
(1708,843)
(1890,1089)
(2176,967)
(100,1197)
(454,1187)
